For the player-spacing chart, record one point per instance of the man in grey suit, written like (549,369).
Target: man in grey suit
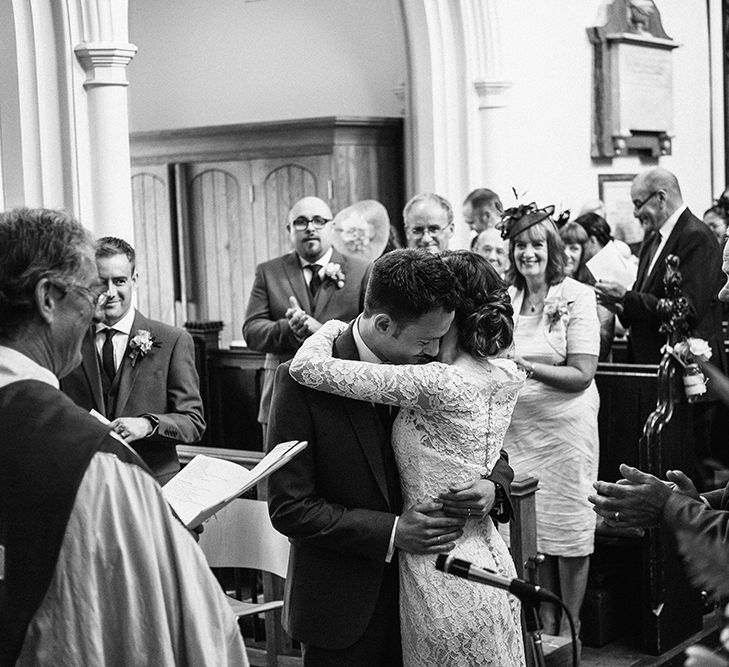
(140,374)
(294,294)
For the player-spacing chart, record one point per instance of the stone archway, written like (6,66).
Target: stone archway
(456,97)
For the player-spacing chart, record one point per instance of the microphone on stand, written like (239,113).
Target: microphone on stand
(522,589)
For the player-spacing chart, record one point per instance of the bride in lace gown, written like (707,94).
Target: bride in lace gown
(449,430)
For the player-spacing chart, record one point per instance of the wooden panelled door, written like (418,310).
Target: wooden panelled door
(235,219)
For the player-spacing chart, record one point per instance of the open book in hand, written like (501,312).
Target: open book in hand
(207,484)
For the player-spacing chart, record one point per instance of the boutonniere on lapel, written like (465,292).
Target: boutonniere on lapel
(333,272)
(141,344)
(557,310)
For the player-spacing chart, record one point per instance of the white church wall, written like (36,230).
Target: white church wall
(229,61)
(549,60)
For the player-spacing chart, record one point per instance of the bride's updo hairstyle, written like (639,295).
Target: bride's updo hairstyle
(484,315)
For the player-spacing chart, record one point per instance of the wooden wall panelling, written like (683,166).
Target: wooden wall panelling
(219,211)
(153,241)
(278,184)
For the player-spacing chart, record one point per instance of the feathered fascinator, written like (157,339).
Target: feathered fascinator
(518,218)
(562,219)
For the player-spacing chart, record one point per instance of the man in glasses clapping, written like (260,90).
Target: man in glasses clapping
(293,295)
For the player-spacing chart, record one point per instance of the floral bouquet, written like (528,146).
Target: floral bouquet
(688,353)
(557,310)
(333,272)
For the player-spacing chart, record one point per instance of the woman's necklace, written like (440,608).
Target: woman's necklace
(535,302)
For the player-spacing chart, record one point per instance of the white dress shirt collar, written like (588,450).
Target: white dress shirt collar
(365,354)
(325,259)
(124,325)
(15,366)
(665,232)
(667,227)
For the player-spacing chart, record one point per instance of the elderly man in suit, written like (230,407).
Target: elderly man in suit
(671,229)
(641,499)
(294,294)
(140,374)
(340,502)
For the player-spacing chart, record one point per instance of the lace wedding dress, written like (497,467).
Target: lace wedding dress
(449,430)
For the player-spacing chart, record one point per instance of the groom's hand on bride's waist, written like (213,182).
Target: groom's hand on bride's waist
(422,529)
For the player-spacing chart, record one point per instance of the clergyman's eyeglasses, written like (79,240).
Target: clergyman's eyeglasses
(95,294)
(301,223)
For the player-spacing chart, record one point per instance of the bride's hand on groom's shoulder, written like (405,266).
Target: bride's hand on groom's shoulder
(423,529)
(469,500)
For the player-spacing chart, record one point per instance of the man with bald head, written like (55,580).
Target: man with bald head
(293,295)
(670,229)
(428,222)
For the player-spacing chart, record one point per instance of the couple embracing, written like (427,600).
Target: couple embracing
(404,462)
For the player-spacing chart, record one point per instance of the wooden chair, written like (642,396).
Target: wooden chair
(241,536)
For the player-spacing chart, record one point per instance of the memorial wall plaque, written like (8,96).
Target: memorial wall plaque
(632,81)
(646,89)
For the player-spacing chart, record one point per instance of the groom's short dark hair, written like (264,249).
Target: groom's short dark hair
(407,284)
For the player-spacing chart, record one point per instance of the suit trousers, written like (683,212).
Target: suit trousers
(380,645)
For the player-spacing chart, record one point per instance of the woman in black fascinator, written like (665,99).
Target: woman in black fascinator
(553,433)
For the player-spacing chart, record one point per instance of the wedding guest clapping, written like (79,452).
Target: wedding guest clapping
(553,433)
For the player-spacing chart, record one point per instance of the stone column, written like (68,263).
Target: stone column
(105,66)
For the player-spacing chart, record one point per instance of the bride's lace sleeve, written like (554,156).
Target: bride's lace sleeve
(428,386)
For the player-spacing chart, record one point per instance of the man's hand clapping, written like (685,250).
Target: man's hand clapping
(302,324)
(422,529)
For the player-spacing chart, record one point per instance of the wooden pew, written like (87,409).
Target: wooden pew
(645,421)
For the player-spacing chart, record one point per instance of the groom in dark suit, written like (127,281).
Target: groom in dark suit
(671,229)
(293,295)
(140,374)
(339,501)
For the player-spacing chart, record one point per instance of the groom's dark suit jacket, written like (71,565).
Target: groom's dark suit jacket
(163,384)
(336,502)
(700,265)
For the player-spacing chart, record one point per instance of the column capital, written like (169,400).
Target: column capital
(105,63)
(491,94)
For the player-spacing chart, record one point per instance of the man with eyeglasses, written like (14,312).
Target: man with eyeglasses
(95,569)
(428,222)
(293,295)
(138,373)
(670,229)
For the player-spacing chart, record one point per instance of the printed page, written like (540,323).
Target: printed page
(207,483)
(609,265)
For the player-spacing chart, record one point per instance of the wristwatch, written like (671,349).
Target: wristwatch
(500,510)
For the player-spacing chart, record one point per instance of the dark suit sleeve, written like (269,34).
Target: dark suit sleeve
(183,421)
(682,513)
(698,259)
(503,474)
(296,507)
(261,331)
